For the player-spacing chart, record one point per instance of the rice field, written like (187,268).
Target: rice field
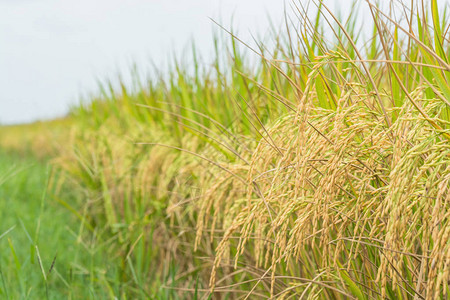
(311,164)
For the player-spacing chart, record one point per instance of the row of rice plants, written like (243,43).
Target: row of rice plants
(319,169)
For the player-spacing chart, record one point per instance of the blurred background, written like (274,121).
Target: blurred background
(52,51)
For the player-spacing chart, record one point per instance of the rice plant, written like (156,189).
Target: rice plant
(319,168)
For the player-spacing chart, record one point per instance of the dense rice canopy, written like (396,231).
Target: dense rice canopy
(320,170)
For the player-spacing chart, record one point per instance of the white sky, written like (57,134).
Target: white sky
(51,51)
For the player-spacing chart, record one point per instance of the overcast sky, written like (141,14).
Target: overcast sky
(51,51)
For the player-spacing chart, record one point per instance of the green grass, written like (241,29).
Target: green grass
(47,251)
(33,223)
(39,234)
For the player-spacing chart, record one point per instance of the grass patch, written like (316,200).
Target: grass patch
(46,251)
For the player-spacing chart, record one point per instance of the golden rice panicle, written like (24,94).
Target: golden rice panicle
(339,171)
